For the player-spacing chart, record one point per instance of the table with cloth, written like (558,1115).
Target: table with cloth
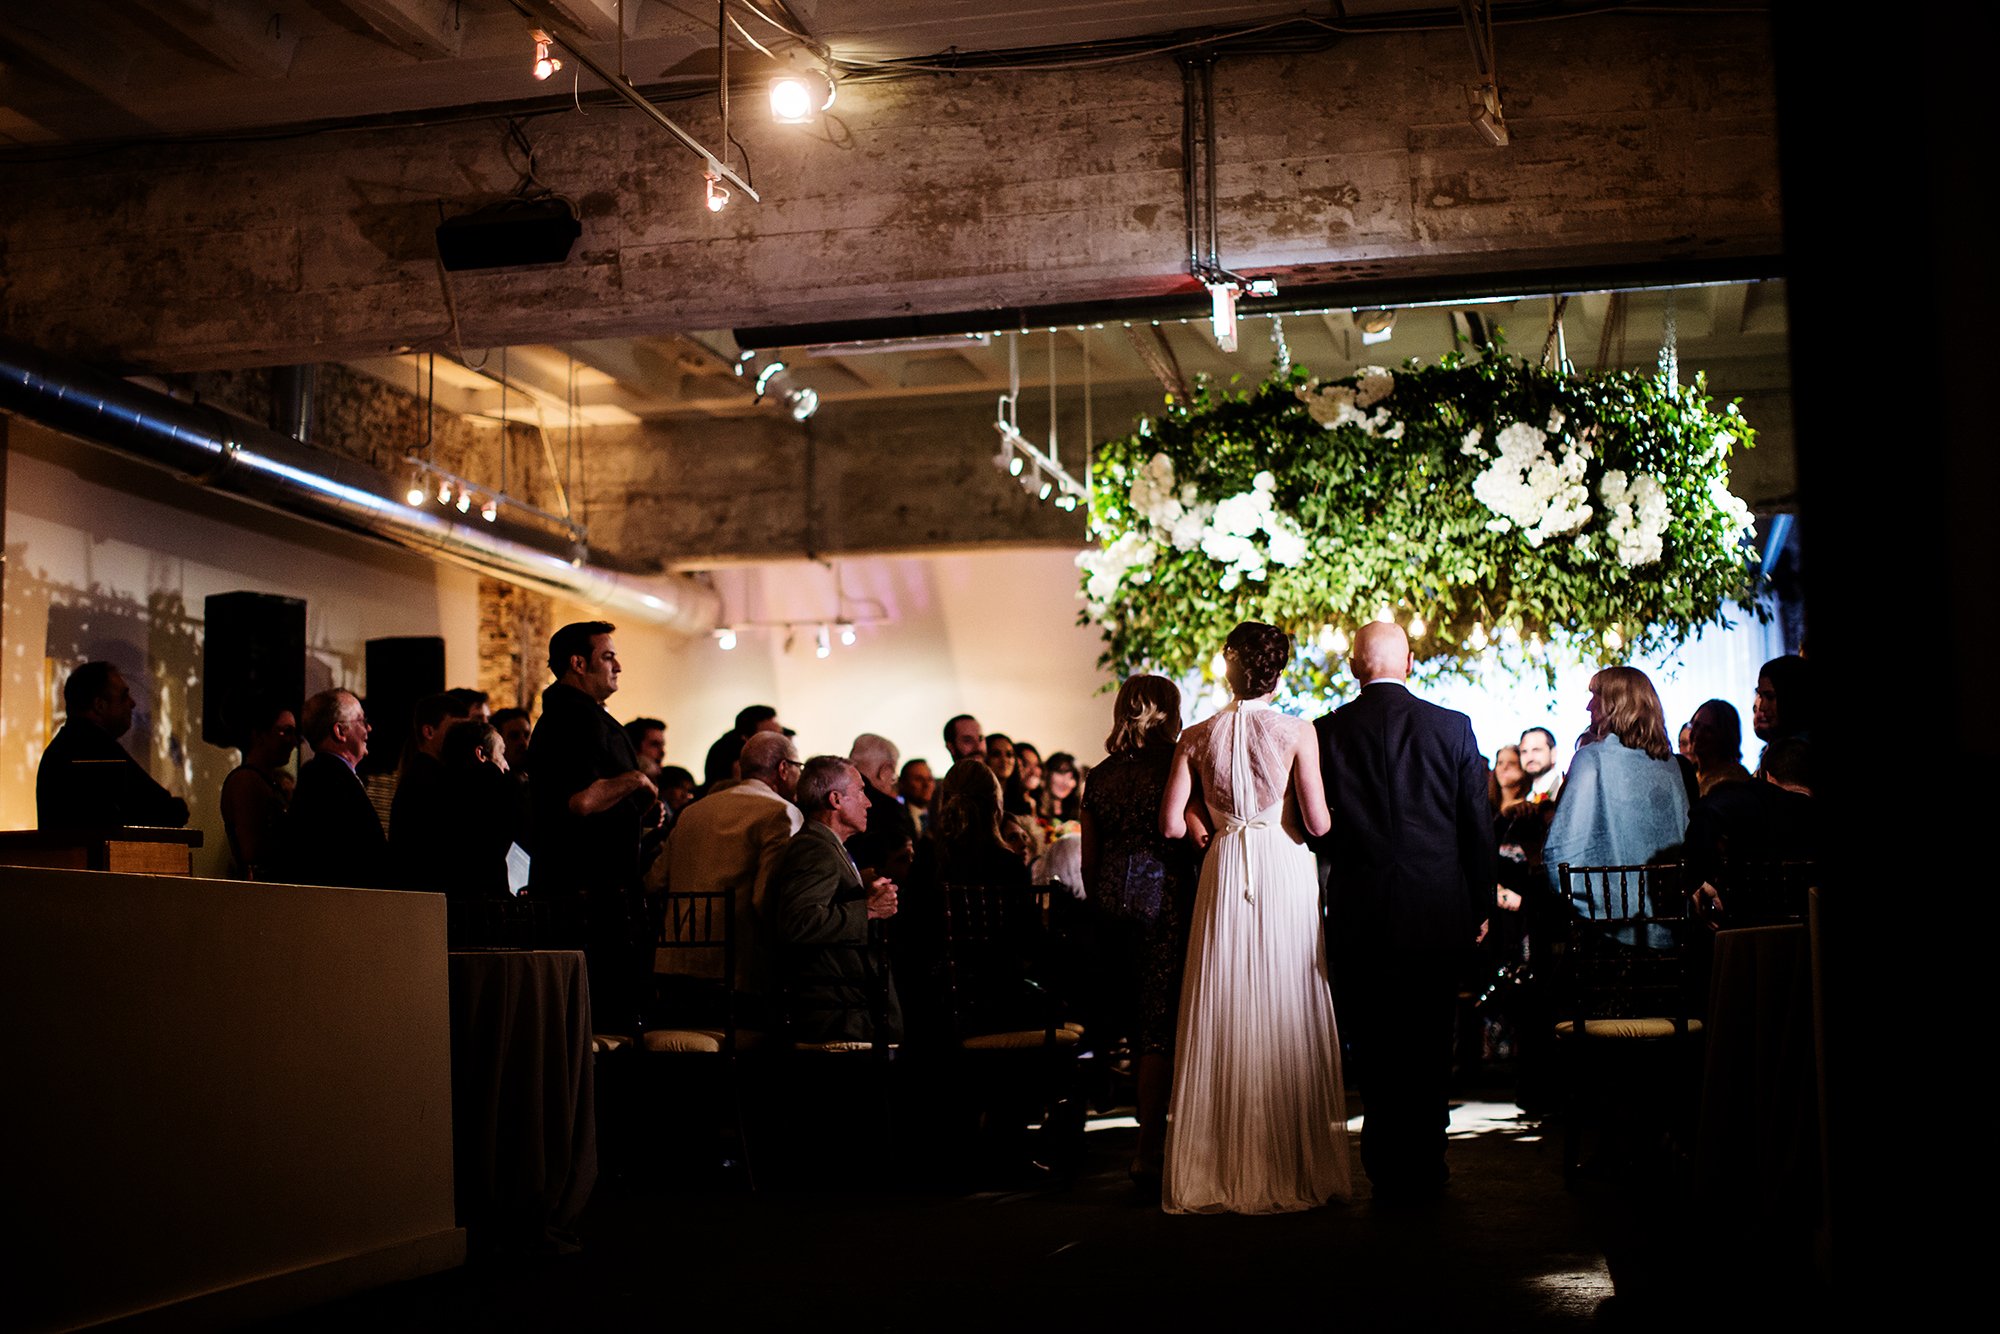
(524,1123)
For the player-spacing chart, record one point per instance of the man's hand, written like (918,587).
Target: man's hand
(1478,939)
(1509,901)
(881,898)
(1708,905)
(608,792)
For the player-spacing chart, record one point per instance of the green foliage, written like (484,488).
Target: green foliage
(1395,523)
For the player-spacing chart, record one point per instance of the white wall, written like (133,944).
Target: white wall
(110,558)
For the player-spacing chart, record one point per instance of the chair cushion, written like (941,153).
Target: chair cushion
(696,1039)
(833,1046)
(1625,1028)
(1066,1036)
(601,1043)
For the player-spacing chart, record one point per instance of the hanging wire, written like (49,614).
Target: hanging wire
(1670,344)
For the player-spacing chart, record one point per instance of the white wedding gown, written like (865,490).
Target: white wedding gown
(1258,1122)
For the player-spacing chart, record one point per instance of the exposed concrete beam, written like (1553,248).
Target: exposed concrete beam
(426,29)
(596,20)
(248,36)
(1647,140)
(86,42)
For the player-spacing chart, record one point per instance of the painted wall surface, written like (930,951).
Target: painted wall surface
(991,634)
(111,559)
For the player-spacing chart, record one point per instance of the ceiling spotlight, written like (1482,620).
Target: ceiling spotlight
(416,492)
(725,638)
(1222,314)
(1376,326)
(491,511)
(805,402)
(444,493)
(1066,501)
(822,643)
(1014,465)
(765,376)
(1485,113)
(847,634)
(797,99)
(1047,487)
(465,502)
(718,194)
(545,64)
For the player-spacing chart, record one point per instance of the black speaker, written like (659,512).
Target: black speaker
(510,233)
(400,672)
(253,652)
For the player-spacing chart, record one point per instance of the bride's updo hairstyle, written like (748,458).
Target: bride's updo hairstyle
(1260,653)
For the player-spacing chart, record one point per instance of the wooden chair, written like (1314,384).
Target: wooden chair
(1750,893)
(695,1033)
(1007,998)
(1626,1011)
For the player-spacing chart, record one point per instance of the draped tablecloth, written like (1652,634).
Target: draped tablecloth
(524,1125)
(1758,1150)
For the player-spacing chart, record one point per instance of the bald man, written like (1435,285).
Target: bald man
(1410,888)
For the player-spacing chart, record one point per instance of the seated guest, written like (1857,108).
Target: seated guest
(915,787)
(1784,703)
(838,980)
(1506,784)
(1000,757)
(478,811)
(517,729)
(677,789)
(649,742)
(889,823)
(86,779)
(720,766)
(1623,803)
(1022,794)
(963,740)
(255,794)
(1718,745)
(1062,789)
(732,839)
(1773,820)
(332,835)
(466,705)
(974,843)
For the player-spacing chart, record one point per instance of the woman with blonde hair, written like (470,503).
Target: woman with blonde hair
(1623,802)
(1140,881)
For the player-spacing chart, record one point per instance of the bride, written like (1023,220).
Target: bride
(1257,1122)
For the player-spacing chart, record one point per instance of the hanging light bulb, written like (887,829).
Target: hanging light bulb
(1217,665)
(717,195)
(1478,640)
(791,100)
(444,492)
(1613,640)
(545,64)
(1382,613)
(1340,641)
(1326,637)
(847,634)
(725,638)
(416,493)
(491,510)
(465,502)
(822,644)
(1417,627)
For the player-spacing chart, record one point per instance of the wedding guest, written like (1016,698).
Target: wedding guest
(332,834)
(963,740)
(1718,745)
(649,742)
(1623,802)
(86,780)
(1141,883)
(1000,756)
(420,837)
(1024,790)
(889,823)
(516,728)
(975,843)
(1508,783)
(677,789)
(1684,744)
(1062,789)
(840,985)
(1538,762)
(1784,703)
(257,791)
(1774,819)
(478,809)
(915,787)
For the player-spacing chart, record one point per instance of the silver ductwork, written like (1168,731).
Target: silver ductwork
(209,447)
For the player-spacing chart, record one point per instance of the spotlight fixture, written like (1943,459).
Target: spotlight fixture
(1376,326)
(1222,314)
(847,634)
(797,99)
(545,64)
(1485,114)
(1065,501)
(444,493)
(464,502)
(765,376)
(1046,488)
(1014,465)
(804,402)
(491,510)
(725,638)
(822,644)
(717,195)
(416,493)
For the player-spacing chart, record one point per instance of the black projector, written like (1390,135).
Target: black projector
(508,234)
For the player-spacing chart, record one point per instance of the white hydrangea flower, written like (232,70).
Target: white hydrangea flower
(1543,496)
(1331,406)
(1153,489)
(1242,514)
(1264,481)
(1732,506)
(1394,432)
(1470,444)
(1377,383)
(1186,531)
(1556,420)
(1639,516)
(1288,544)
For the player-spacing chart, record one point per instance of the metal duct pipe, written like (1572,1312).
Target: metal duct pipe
(294,391)
(211,448)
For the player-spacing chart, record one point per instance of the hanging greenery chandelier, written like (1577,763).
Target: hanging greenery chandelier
(1492,506)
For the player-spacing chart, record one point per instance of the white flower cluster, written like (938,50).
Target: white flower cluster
(1108,566)
(1340,405)
(1541,493)
(1732,506)
(1229,538)
(1226,532)
(1639,516)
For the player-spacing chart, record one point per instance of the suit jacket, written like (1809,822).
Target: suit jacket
(1410,853)
(729,839)
(889,823)
(819,928)
(332,834)
(88,781)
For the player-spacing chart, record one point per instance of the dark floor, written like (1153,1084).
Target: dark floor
(1507,1248)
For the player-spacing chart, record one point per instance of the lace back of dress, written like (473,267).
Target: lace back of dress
(1245,767)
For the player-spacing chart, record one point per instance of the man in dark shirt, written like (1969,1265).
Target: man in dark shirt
(1768,820)
(889,822)
(421,847)
(720,765)
(592,804)
(87,780)
(332,834)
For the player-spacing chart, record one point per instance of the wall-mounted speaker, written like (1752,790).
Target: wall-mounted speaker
(510,233)
(253,653)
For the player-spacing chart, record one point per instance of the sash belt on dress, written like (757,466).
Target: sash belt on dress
(1233,823)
